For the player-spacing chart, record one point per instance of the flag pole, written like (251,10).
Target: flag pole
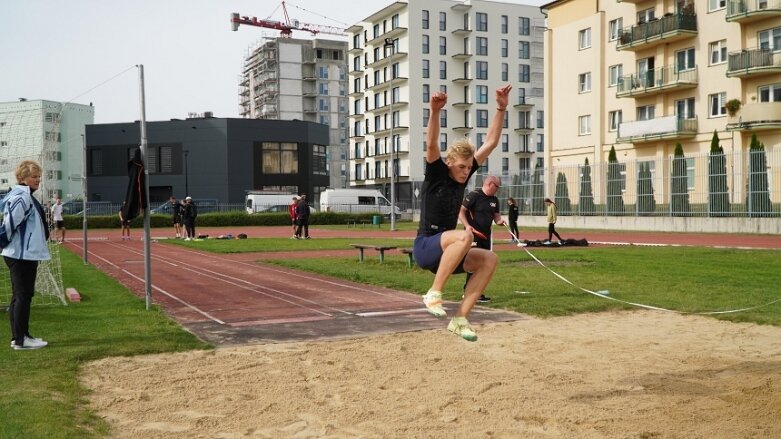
(144,144)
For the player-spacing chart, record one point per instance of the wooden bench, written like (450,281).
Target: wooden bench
(379,248)
(410,258)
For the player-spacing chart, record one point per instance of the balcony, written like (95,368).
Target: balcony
(462,129)
(384,85)
(524,104)
(464,104)
(524,129)
(753,62)
(462,32)
(662,30)
(656,81)
(466,80)
(653,130)
(524,151)
(756,116)
(392,34)
(383,62)
(749,11)
(462,56)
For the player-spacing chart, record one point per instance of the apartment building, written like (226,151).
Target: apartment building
(296,79)
(401,54)
(51,133)
(640,76)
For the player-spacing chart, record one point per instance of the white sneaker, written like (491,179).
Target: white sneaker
(30,343)
(187,239)
(546,242)
(433,302)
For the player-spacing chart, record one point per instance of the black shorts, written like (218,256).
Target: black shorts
(427,252)
(60,224)
(177,219)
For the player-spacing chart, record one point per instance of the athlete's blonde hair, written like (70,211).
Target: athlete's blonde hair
(27,168)
(460,149)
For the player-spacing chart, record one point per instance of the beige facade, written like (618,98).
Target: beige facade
(643,75)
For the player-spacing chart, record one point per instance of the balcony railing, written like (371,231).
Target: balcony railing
(756,116)
(665,29)
(655,81)
(747,11)
(753,62)
(661,128)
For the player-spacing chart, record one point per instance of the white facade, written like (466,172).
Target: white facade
(50,133)
(468,49)
(287,79)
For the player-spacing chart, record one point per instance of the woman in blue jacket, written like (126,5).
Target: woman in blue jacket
(24,223)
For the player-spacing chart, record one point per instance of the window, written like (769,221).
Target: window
(425,43)
(770,39)
(395,21)
(322,72)
(770,93)
(523,26)
(584,39)
(319,162)
(425,19)
(646,112)
(443,118)
(716,104)
(524,120)
(718,52)
(426,93)
(443,141)
(505,71)
(482,118)
(481,70)
(425,68)
(523,50)
(442,46)
(358,171)
(482,22)
(714,5)
(615,73)
(443,70)
(442,21)
(481,94)
(684,108)
(524,73)
(584,125)
(426,116)
(505,142)
(503,20)
(689,173)
(540,119)
(614,120)
(505,166)
(684,59)
(323,88)
(615,28)
(482,46)
(645,16)
(584,82)
(505,48)
(541,140)
(279,158)
(96,162)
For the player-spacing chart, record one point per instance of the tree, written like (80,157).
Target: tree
(615,200)
(718,192)
(679,186)
(538,192)
(758,201)
(646,204)
(586,203)
(562,195)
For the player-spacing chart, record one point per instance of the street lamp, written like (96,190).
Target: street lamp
(186,184)
(389,44)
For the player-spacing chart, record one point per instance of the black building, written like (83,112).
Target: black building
(216,158)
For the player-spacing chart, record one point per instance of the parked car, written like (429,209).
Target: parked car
(280,208)
(205,205)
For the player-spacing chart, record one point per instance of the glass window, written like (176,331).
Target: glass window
(482,118)
(584,125)
(718,52)
(615,28)
(425,19)
(615,73)
(684,108)
(443,70)
(425,68)
(426,93)
(684,59)
(505,142)
(770,39)
(770,93)
(523,50)
(523,26)
(524,73)
(503,21)
(481,70)
(614,120)
(481,92)
(482,46)
(425,43)
(482,22)
(505,71)
(505,165)
(584,82)
(443,141)
(442,45)
(505,48)
(716,104)
(584,38)
(279,158)
(646,112)
(714,5)
(442,21)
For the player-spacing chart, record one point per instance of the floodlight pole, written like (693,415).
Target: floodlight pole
(84,195)
(389,45)
(147,250)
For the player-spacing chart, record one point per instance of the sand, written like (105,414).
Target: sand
(610,375)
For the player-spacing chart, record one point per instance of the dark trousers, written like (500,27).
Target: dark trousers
(481,243)
(514,228)
(23,275)
(303,226)
(189,226)
(552,231)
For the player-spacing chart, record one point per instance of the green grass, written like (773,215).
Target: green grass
(40,395)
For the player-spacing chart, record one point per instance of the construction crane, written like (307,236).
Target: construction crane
(287,27)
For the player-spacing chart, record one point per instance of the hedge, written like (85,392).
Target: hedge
(217,220)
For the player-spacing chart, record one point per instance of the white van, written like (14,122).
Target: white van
(256,202)
(355,201)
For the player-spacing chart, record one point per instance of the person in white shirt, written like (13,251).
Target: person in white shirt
(59,223)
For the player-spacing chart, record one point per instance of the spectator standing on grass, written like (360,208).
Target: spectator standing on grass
(438,247)
(292,212)
(479,211)
(24,223)
(189,213)
(176,211)
(552,222)
(59,222)
(512,218)
(302,218)
(124,224)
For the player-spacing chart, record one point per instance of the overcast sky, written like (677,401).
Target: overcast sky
(85,50)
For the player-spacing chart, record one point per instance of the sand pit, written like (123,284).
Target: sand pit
(611,375)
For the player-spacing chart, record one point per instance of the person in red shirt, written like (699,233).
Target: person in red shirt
(292,212)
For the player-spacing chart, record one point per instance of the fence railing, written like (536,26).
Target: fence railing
(738,184)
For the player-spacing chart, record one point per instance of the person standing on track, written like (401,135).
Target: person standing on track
(59,222)
(292,212)
(438,247)
(302,218)
(176,212)
(124,224)
(552,222)
(24,223)
(189,213)
(512,218)
(479,211)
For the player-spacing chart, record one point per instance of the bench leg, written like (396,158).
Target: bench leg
(360,258)
(382,256)
(409,260)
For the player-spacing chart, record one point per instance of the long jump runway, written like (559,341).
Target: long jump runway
(226,300)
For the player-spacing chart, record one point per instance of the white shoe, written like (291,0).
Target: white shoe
(29,343)
(187,239)
(546,242)
(433,302)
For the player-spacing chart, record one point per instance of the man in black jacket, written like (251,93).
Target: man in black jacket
(189,213)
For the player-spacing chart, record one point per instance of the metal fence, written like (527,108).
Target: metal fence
(746,184)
